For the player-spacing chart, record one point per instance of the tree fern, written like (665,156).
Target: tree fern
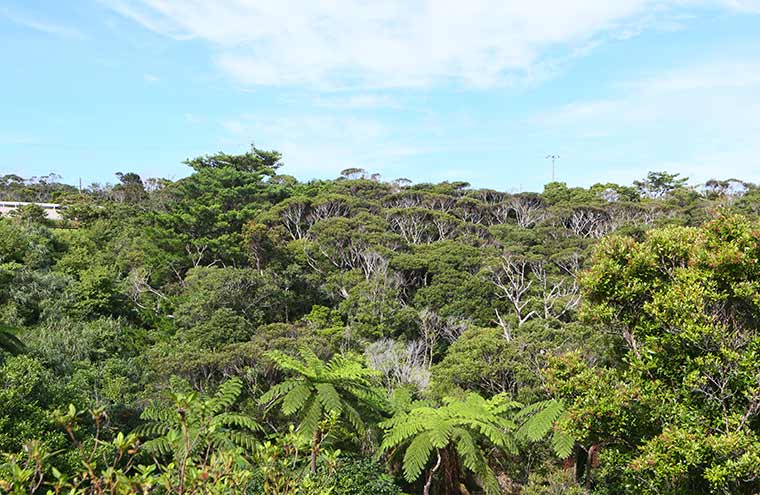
(192,424)
(460,426)
(316,390)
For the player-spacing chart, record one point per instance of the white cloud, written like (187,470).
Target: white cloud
(718,93)
(41,25)
(345,43)
(151,78)
(315,146)
(707,112)
(357,102)
(13,138)
(729,74)
(752,6)
(320,146)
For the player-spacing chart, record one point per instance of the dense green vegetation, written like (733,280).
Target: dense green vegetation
(239,331)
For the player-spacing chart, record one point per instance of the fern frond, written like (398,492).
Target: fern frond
(286,362)
(440,433)
(311,367)
(466,448)
(562,444)
(277,391)
(487,479)
(151,429)
(244,440)
(161,446)
(295,398)
(417,456)
(159,413)
(227,394)
(541,421)
(239,420)
(531,409)
(401,432)
(311,419)
(329,398)
(354,418)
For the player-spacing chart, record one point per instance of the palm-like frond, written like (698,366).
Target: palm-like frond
(540,419)
(329,397)
(194,423)
(459,423)
(562,444)
(159,445)
(340,387)
(417,455)
(311,417)
(294,400)
(227,394)
(242,421)
(277,390)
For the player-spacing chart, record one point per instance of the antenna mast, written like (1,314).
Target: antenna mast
(553,158)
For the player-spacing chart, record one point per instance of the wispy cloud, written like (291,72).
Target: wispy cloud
(135,12)
(751,6)
(13,138)
(321,145)
(706,111)
(41,25)
(314,144)
(402,43)
(718,91)
(358,102)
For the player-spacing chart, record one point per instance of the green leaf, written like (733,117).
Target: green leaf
(416,456)
(562,444)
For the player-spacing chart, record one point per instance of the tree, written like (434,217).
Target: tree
(483,361)
(686,406)
(511,276)
(130,189)
(453,432)
(256,160)
(197,426)
(353,173)
(527,209)
(342,387)
(30,214)
(204,213)
(657,185)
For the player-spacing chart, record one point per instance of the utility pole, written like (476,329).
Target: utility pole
(553,158)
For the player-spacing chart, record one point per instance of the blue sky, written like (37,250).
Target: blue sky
(480,90)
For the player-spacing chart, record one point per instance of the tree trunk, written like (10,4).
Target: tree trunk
(581,458)
(450,463)
(314,450)
(592,461)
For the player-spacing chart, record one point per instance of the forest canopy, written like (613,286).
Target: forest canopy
(241,331)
